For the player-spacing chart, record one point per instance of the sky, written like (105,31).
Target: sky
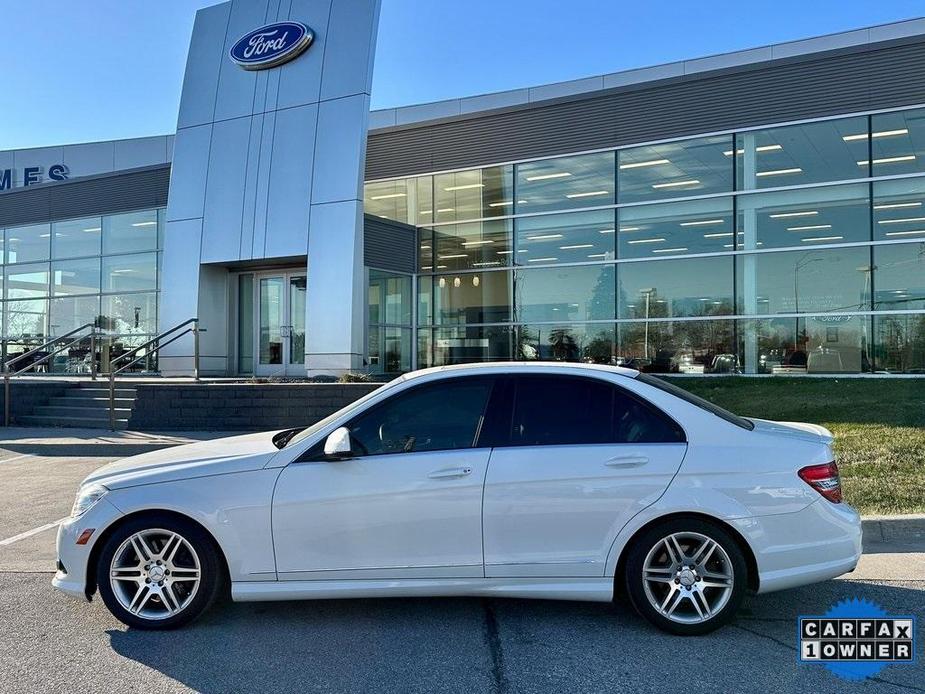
(109,69)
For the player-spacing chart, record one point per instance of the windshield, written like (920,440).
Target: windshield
(696,400)
(283,441)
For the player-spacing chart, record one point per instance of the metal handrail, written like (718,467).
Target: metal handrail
(7,374)
(113,371)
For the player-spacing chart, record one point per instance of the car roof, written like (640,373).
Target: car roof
(511,367)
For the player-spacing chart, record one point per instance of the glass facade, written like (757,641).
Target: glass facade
(784,250)
(65,274)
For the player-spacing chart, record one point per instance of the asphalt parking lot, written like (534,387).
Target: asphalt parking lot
(51,642)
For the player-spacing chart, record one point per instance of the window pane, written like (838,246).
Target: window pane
(677,346)
(130,314)
(898,142)
(408,200)
(464,345)
(426,250)
(551,411)
(812,344)
(437,417)
(696,226)
(568,293)
(565,183)
(76,237)
(389,298)
(804,281)
(75,276)
(593,343)
(474,194)
(676,288)
(27,281)
(246,324)
(28,243)
(565,238)
(389,350)
(839,214)
(899,209)
(467,298)
(675,169)
(127,273)
(69,313)
(128,233)
(899,276)
(26,318)
(798,154)
(473,245)
(899,344)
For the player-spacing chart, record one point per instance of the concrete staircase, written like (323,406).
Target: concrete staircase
(86,405)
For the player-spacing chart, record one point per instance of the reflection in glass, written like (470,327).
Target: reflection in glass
(572,293)
(407,200)
(389,298)
(26,281)
(798,154)
(678,228)
(246,324)
(677,346)
(899,209)
(565,238)
(474,194)
(565,183)
(271,320)
(26,318)
(675,169)
(75,276)
(28,243)
(389,349)
(808,344)
(129,314)
(482,297)
(472,245)
(593,343)
(899,344)
(899,276)
(840,214)
(297,288)
(675,288)
(130,233)
(76,237)
(461,345)
(804,281)
(70,312)
(128,273)
(898,142)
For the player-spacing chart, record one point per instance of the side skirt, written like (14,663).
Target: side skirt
(587,589)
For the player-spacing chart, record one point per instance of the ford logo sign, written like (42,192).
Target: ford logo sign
(271,45)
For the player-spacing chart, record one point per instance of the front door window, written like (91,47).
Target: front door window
(280,324)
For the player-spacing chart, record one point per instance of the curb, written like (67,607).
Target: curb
(900,528)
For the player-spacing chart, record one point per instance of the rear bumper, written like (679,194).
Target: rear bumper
(71,576)
(795,549)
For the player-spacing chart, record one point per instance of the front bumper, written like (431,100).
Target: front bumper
(820,542)
(73,559)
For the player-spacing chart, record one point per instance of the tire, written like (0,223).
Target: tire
(683,594)
(159,572)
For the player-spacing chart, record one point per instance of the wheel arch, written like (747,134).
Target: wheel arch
(109,531)
(750,561)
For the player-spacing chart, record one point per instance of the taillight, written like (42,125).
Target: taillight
(824,479)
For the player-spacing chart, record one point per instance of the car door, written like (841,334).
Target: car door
(576,458)
(408,505)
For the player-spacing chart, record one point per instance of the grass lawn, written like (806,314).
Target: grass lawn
(879,427)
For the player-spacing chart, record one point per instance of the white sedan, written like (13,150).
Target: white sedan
(538,480)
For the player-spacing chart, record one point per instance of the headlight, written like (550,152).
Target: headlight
(86,497)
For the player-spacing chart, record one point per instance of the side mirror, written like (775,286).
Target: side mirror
(337,445)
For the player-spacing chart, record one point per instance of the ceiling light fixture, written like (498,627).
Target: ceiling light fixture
(762,148)
(780,172)
(904,233)
(897,205)
(655,240)
(641,164)
(546,177)
(504,203)
(702,223)
(901,221)
(590,194)
(676,184)
(466,186)
(882,133)
(576,246)
(668,250)
(821,238)
(718,236)
(544,237)
(787,215)
(810,227)
(889,160)
(467,244)
(388,196)
(541,260)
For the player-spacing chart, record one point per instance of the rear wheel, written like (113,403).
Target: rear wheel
(159,572)
(686,576)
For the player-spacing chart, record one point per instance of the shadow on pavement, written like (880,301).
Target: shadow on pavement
(473,645)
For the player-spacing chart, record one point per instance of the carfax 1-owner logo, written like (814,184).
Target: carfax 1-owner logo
(856,639)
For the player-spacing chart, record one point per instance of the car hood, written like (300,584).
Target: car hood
(794,430)
(201,459)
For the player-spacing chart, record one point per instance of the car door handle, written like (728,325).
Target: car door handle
(626,461)
(450,472)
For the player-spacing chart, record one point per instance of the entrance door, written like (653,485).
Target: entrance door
(280,325)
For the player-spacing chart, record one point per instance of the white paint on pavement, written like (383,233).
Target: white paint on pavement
(15,457)
(30,533)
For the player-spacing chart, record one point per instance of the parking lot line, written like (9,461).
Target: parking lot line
(15,457)
(30,533)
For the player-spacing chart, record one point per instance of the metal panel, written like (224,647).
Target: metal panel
(389,245)
(851,80)
(145,188)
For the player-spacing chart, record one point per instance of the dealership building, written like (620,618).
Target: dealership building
(757,212)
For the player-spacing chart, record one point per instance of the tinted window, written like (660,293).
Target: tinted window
(433,417)
(559,410)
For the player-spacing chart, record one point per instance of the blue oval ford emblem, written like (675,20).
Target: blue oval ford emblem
(271,45)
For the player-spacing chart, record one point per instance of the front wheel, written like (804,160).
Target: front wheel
(686,576)
(159,572)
